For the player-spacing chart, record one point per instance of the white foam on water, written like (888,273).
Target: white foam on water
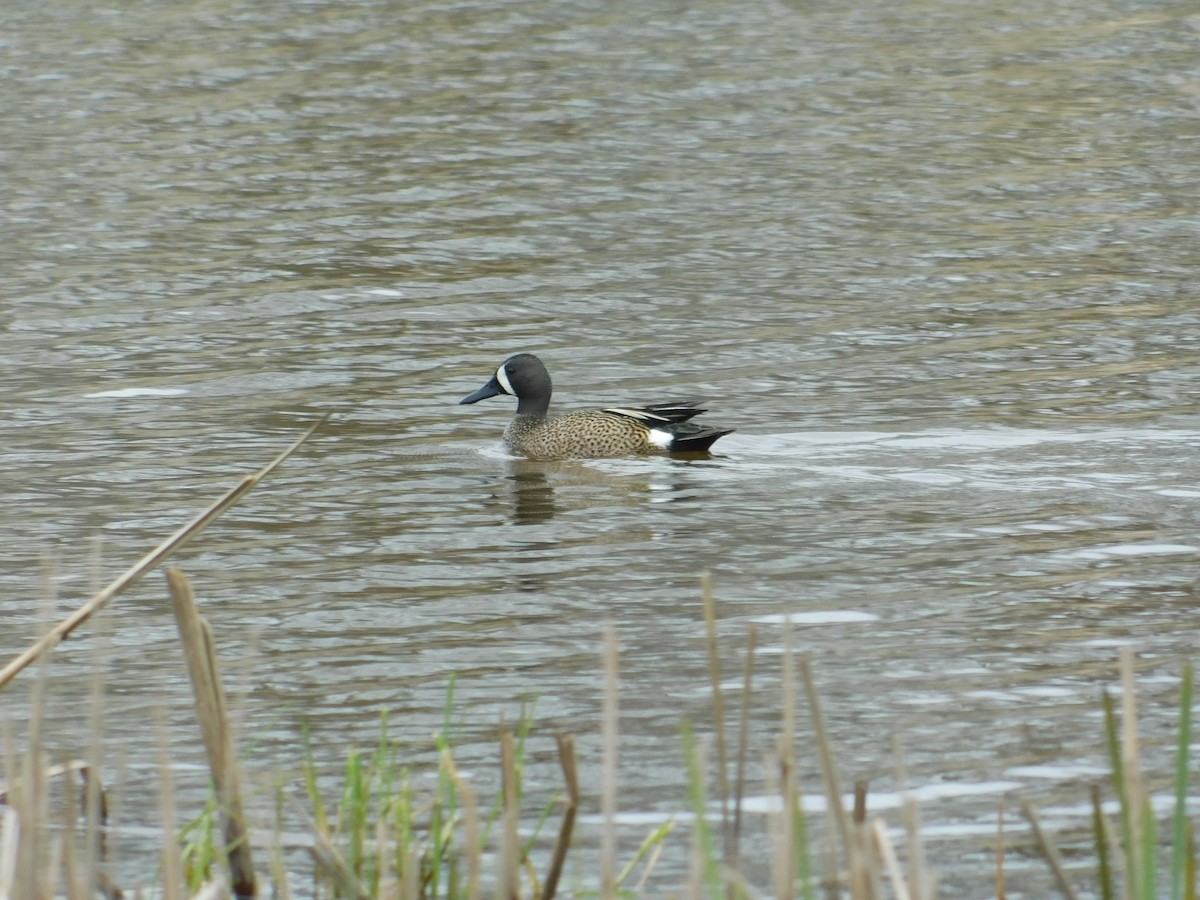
(131,393)
(818,617)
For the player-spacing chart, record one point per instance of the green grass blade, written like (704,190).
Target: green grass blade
(1120,787)
(699,799)
(310,782)
(651,842)
(1179,838)
(1104,863)
(547,810)
(1148,851)
(1189,878)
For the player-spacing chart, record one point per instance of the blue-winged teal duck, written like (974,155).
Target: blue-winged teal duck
(592,433)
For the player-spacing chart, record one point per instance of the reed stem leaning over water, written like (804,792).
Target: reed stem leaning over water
(147,563)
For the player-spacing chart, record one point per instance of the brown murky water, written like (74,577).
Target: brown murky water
(936,262)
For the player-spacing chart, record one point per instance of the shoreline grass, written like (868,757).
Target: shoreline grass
(381,838)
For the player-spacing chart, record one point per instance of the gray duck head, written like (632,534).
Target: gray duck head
(523,376)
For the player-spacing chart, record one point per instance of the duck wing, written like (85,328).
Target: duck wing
(659,413)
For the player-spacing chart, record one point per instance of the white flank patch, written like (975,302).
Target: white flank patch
(660,438)
(502,377)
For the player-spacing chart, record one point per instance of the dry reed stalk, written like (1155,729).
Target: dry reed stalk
(780,851)
(200,652)
(172,861)
(608,790)
(74,880)
(470,806)
(920,880)
(887,853)
(75,765)
(1048,850)
(833,791)
(330,863)
(566,757)
(95,804)
(743,744)
(29,797)
(785,749)
(714,673)
(508,884)
(147,563)
(860,802)
(410,885)
(1000,851)
(864,877)
(10,842)
(386,881)
(279,877)
(1135,790)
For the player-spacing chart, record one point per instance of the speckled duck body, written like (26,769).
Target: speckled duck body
(593,433)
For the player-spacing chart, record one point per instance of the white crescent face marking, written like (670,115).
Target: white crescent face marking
(502,377)
(660,438)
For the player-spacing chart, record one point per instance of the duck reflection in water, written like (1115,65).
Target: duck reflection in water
(530,490)
(532,493)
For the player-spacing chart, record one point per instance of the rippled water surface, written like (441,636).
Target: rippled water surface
(936,262)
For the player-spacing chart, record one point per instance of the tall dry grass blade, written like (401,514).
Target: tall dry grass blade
(73,877)
(29,796)
(860,802)
(471,826)
(147,563)
(743,744)
(780,855)
(279,877)
(507,885)
(887,853)
(95,804)
(784,864)
(1119,848)
(714,674)
(1049,851)
(329,862)
(566,757)
(171,860)
(1000,850)
(1131,765)
(921,880)
(609,762)
(200,653)
(865,878)
(10,842)
(833,791)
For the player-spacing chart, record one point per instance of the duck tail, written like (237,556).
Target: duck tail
(697,441)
